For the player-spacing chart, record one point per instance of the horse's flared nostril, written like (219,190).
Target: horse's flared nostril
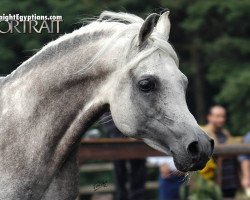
(193,149)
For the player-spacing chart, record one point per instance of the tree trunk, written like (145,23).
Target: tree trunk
(199,84)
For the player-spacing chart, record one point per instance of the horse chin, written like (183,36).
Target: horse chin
(157,146)
(187,166)
(181,163)
(181,166)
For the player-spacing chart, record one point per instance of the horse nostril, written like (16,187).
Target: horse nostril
(193,149)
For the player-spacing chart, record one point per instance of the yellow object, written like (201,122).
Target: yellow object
(208,172)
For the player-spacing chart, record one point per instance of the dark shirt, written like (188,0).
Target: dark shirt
(221,138)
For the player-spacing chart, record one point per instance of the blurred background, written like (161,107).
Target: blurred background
(210,37)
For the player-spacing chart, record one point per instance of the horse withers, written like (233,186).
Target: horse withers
(118,61)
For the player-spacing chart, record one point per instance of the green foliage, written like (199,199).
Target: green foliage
(220,32)
(201,189)
(228,60)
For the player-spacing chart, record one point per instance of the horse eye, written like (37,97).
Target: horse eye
(147,85)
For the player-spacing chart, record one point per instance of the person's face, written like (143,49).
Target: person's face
(217,117)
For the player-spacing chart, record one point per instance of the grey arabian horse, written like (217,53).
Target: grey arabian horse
(118,61)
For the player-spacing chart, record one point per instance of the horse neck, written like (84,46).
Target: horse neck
(47,105)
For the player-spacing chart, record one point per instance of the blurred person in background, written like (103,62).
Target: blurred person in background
(170,179)
(215,128)
(126,171)
(245,168)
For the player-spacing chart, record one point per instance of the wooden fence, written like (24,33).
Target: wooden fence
(123,148)
(109,149)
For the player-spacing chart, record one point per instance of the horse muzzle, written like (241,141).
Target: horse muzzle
(195,154)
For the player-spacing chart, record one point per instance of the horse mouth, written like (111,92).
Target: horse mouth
(182,161)
(189,165)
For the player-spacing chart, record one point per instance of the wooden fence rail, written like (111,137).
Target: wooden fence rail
(123,148)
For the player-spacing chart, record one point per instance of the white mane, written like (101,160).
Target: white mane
(118,23)
(121,17)
(130,23)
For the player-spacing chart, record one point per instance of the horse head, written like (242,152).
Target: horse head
(147,99)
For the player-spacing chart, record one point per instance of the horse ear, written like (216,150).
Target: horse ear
(163,25)
(147,27)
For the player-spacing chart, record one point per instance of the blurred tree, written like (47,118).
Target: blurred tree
(218,35)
